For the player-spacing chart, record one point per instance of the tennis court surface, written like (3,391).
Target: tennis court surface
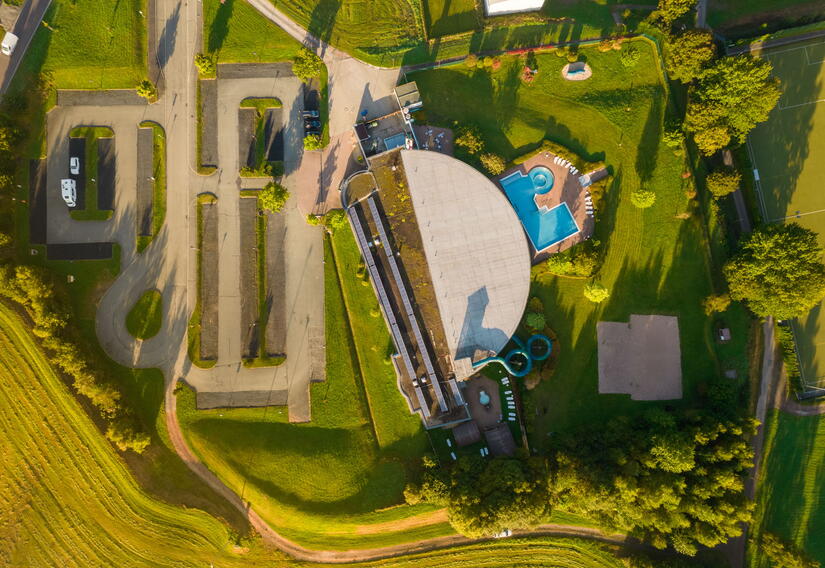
(788,153)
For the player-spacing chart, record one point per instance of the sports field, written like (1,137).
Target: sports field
(788,152)
(790,502)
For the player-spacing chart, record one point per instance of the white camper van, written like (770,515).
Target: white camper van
(9,43)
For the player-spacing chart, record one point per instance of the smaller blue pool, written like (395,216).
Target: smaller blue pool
(545,227)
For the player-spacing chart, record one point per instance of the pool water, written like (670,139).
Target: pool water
(545,227)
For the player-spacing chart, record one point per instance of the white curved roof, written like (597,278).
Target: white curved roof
(477,253)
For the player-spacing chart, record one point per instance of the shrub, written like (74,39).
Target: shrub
(313,220)
(496,63)
(306,65)
(335,219)
(536,321)
(723,182)
(788,345)
(572,55)
(471,61)
(493,163)
(605,45)
(785,555)
(205,64)
(470,139)
(125,436)
(674,134)
(312,142)
(147,90)
(716,303)
(560,52)
(535,305)
(643,198)
(596,292)
(487,62)
(630,56)
(273,197)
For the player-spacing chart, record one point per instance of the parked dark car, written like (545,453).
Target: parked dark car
(312,124)
(310,114)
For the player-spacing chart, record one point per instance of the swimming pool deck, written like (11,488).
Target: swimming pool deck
(566,189)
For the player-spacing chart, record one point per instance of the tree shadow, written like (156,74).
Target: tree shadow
(168,38)
(648,153)
(220,26)
(322,22)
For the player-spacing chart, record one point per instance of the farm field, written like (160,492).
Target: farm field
(329,475)
(656,260)
(90,44)
(789,498)
(235,32)
(47,439)
(788,151)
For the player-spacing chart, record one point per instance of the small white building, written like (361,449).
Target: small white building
(498,7)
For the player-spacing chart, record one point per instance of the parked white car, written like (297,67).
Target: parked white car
(74,165)
(8,44)
(68,190)
(503,534)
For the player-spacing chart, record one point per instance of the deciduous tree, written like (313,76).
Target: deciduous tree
(778,271)
(273,197)
(687,54)
(306,65)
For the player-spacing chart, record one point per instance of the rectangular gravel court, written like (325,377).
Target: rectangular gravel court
(788,155)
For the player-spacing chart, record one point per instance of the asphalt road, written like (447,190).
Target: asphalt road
(25,28)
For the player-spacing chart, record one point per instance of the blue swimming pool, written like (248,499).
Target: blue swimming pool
(544,227)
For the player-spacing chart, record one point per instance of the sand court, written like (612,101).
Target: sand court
(641,358)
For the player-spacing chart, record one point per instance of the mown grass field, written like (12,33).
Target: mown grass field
(91,44)
(656,260)
(235,32)
(445,17)
(328,476)
(67,499)
(790,501)
(762,15)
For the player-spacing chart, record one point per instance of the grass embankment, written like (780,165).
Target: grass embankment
(656,260)
(193,331)
(761,16)
(323,483)
(159,183)
(234,32)
(790,502)
(145,318)
(90,44)
(91,135)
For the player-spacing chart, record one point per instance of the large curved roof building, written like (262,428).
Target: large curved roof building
(450,264)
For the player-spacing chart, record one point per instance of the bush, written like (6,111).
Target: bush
(306,65)
(723,182)
(471,61)
(605,45)
(630,56)
(784,554)
(470,139)
(496,63)
(312,142)
(674,134)
(493,163)
(536,321)
(788,345)
(560,52)
(273,197)
(487,62)
(335,219)
(123,434)
(716,303)
(147,90)
(643,198)
(596,292)
(205,64)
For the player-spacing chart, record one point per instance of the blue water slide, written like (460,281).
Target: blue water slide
(522,351)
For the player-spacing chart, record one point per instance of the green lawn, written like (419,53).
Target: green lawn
(327,476)
(655,261)
(789,152)
(146,317)
(159,185)
(90,44)
(237,33)
(790,502)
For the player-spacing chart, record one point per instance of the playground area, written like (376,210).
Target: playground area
(641,358)
(788,156)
